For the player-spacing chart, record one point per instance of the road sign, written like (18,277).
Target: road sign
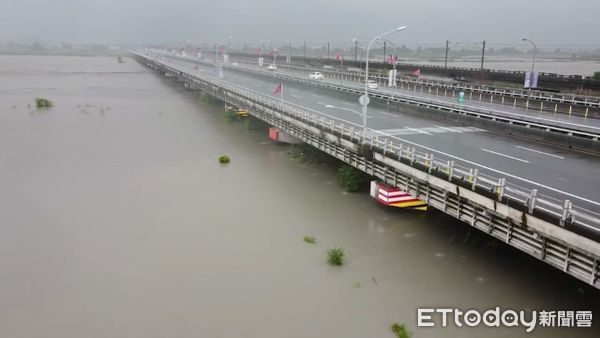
(461,97)
(364,100)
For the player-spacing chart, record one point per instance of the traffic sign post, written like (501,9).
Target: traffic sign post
(460,98)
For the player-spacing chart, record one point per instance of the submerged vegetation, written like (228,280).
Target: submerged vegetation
(224,159)
(335,256)
(230,115)
(305,153)
(309,239)
(41,102)
(205,98)
(351,178)
(400,330)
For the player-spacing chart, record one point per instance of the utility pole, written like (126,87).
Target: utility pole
(446,57)
(355,47)
(304,50)
(482,54)
(327,50)
(384,45)
(290,52)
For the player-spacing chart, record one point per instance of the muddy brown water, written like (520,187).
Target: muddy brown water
(116,220)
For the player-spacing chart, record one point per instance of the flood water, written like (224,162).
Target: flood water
(116,220)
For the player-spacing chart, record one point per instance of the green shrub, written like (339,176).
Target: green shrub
(229,115)
(205,98)
(351,178)
(596,76)
(43,103)
(335,256)
(310,239)
(224,159)
(400,330)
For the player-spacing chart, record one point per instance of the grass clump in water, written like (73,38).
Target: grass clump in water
(229,115)
(41,102)
(335,256)
(309,239)
(224,159)
(350,178)
(207,99)
(400,330)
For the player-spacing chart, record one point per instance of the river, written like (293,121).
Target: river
(116,220)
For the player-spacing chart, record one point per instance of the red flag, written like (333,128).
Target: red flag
(417,72)
(221,50)
(392,59)
(338,56)
(258,51)
(277,89)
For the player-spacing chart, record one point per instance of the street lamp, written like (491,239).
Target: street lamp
(342,59)
(365,99)
(394,60)
(229,43)
(534,53)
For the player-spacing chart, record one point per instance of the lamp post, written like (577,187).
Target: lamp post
(229,43)
(395,60)
(365,98)
(342,59)
(534,53)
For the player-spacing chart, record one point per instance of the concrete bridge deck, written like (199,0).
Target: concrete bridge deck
(555,172)
(409,152)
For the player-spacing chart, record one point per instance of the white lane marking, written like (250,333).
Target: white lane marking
(540,152)
(457,158)
(388,114)
(507,156)
(495,170)
(296,96)
(448,129)
(418,130)
(319,96)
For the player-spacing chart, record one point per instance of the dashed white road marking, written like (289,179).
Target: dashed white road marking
(296,96)
(418,130)
(448,129)
(541,152)
(504,155)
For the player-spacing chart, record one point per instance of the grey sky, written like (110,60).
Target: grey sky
(565,22)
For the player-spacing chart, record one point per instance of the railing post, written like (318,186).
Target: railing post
(450,170)
(475,173)
(566,212)
(430,163)
(500,191)
(532,200)
(412,156)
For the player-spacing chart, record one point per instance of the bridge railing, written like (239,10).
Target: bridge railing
(562,212)
(557,126)
(572,99)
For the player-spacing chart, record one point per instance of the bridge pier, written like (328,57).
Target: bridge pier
(277,135)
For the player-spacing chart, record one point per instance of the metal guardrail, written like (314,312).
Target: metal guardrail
(309,125)
(533,122)
(562,212)
(573,99)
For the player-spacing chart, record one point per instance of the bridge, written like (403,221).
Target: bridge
(565,129)
(536,198)
(551,80)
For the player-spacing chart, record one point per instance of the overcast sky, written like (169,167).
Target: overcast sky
(562,22)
